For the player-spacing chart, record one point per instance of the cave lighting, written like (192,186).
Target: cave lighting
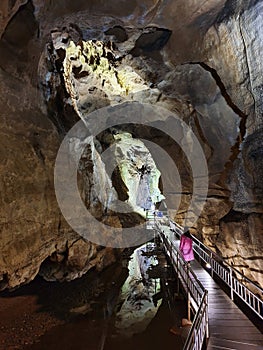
(208,266)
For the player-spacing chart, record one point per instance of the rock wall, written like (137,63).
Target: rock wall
(201,61)
(235,56)
(34,234)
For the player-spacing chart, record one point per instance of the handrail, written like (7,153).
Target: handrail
(179,231)
(227,274)
(199,327)
(197,294)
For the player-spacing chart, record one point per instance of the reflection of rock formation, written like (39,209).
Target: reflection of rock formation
(143,199)
(138,308)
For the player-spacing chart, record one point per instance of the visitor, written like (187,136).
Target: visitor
(186,247)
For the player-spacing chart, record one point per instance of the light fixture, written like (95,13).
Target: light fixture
(208,266)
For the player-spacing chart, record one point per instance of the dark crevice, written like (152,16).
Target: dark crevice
(151,41)
(119,33)
(61,115)
(4,281)
(229,10)
(226,96)
(217,196)
(21,27)
(256,270)
(251,258)
(234,216)
(224,93)
(233,8)
(235,149)
(119,185)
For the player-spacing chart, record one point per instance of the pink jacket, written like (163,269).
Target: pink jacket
(186,248)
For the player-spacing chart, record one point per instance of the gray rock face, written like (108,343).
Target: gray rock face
(203,62)
(235,56)
(240,39)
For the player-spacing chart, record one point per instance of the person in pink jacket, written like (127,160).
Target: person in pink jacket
(186,247)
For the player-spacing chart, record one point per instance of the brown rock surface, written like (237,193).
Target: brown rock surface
(208,72)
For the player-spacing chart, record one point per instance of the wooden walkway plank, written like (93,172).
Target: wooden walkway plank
(230,328)
(223,344)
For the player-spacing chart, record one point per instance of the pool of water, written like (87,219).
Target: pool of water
(88,313)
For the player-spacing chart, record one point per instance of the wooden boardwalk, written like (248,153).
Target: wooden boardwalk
(229,327)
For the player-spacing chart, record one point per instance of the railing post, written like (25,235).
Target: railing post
(177,271)
(211,264)
(188,307)
(188,296)
(206,315)
(231,285)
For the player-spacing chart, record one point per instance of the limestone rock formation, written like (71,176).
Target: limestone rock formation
(138,172)
(60,61)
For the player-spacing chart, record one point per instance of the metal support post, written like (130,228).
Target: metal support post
(211,264)
(231,285)
(188,307)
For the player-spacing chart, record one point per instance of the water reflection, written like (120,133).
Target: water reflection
(136,307)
